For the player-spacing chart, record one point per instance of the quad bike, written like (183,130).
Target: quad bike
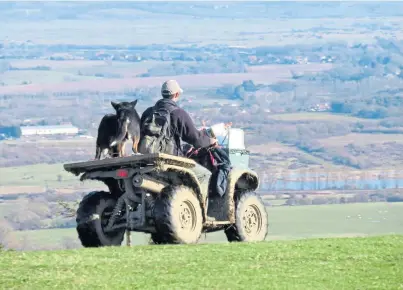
(159,194)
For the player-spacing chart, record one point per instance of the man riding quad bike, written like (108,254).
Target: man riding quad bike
(165,125)
(166,194)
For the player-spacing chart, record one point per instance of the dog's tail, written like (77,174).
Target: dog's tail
(122,131)
(98,153)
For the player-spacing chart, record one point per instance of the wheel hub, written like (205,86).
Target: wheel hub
(252,220)
(187,215)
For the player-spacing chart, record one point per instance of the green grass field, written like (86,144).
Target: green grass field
(314,116)
(345,263)
(39,175)
(285,223)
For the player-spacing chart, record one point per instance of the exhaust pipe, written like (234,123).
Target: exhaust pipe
(147,184)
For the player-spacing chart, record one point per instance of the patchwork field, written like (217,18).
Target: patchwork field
(198,24)
(271,148)
(47,143)
(87,66)
(39,176)
(36,178)
(362,139)
(71,71)
(269,75)
(368,148)
(314,116)
(276,156)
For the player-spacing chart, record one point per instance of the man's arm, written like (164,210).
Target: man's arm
(189,133)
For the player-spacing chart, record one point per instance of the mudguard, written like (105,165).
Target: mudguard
(188,178)
(239,181)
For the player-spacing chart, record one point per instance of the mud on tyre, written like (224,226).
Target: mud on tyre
(92,216)
(178,216)
(250,220)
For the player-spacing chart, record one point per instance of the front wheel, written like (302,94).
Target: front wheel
(251,224)
(178,216)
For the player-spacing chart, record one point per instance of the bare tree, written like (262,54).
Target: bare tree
(67,209)
(5,230)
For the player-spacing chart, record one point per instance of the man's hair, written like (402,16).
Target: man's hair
(168,96)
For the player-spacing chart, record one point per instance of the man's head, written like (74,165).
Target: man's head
(171,90)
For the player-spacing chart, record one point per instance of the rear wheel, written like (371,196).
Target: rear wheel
(158,239)
(251,223)
(93,214)
(178,216)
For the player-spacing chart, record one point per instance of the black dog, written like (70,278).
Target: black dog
(115,130)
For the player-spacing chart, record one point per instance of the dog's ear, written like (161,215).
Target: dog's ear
(115,105)
(134,103)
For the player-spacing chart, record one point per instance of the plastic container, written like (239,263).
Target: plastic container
(236,139)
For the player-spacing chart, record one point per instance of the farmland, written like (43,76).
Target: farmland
(298,117)
(45,175)
(363,139)
(342,263)
(34,81)
(317,89)
(281,78)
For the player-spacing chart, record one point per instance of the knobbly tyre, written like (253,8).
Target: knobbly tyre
(160,195)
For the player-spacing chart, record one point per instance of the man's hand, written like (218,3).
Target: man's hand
(214,142)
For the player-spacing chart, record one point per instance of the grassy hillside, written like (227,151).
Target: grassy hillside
(286,223)
(346,263)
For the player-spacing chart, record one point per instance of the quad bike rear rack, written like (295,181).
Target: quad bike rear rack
(130,161)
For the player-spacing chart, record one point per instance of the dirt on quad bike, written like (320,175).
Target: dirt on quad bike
(160,195)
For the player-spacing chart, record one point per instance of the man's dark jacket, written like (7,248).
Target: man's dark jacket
(182,126)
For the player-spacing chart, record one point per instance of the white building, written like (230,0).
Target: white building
(49,130)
